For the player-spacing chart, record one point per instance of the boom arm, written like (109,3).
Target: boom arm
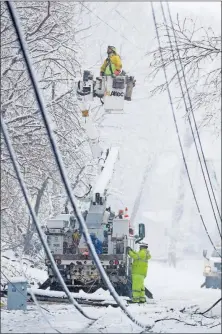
(106,175)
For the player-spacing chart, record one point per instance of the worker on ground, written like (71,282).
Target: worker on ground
(113,64)
(139,272)
(172,255)
(120,214)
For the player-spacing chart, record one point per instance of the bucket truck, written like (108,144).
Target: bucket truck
(112,230)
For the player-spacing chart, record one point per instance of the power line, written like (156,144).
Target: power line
(34,218)
(108,13)
(186,107)
(176,126)
(123,17)
(63,175)
(35,301)
(210,308)
(191,108)
(90,10)
(134,45)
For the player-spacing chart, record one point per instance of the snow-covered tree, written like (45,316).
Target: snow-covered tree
(200,53)
(53,31)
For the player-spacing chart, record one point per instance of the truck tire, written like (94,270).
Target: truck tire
(45,285)
(123,290)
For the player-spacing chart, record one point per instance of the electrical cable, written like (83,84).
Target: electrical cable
(35,301)
(211,307)
(34,218)
(8,280)
(133,26)
(176,126)
(186,107)
(90,10)
(191,108)
(40,308)
(62,172)
(134,45)
(108,13)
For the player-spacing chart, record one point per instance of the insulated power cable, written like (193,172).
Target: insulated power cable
(40,310)
(62,171)
(35,220)
(130,24)
(107,15)
(8,280)
(134,45)
(35,301)
(187,110)
(189,98)
(191,107)
(91,11)
(176,127)
(212,306)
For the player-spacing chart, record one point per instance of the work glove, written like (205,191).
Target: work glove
(116,72)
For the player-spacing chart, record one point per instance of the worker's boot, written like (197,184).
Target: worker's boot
(142,300)
(133,301)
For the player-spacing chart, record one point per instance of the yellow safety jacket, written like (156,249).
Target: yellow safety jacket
(140,261)
(113,61)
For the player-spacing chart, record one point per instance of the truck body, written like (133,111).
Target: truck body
(113,233)
(77,266)
(212,269)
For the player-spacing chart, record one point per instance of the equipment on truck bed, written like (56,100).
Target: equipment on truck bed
(77,265)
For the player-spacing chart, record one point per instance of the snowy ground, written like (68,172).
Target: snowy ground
(13,267)
(177,295)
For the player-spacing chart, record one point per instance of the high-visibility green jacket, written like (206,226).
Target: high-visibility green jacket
(113,61)
(140,261)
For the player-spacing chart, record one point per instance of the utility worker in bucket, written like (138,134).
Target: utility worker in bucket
(139,272)
(113,64)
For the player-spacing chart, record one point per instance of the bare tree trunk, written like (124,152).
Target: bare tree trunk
(31,227)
